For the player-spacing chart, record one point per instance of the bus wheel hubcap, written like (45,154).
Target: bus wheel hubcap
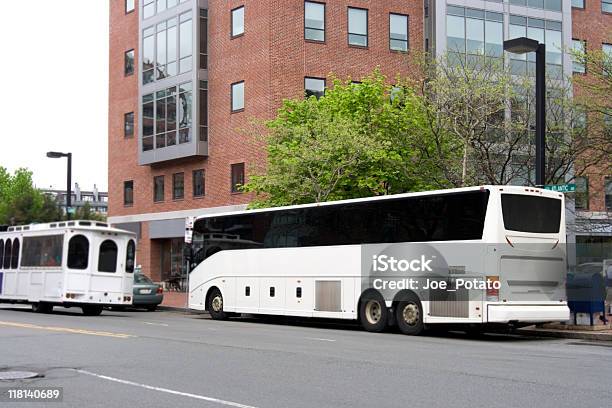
(373,311)
(217,303)
(411,314)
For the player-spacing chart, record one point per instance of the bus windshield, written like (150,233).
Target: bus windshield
(526,213)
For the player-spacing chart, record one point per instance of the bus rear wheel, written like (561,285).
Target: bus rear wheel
(92,310)
(373,312)
(215,305)
(409,315)
(42,307)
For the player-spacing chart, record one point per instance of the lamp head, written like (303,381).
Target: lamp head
(521,45)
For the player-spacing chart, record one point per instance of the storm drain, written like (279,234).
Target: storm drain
(17,375)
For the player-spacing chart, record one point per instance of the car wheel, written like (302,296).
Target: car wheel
(373,312)
(215,305)
(409,315)
(92,310)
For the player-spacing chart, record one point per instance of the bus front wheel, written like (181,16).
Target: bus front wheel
(92,310)
(409,315)
(373,312)
(215,305)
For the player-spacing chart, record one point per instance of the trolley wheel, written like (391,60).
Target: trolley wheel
(409,315)
(92,310)
(373,312)
(214,305)
(42,307)
(151,308)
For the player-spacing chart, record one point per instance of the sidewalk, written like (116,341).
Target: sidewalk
(602,333)
(174,301)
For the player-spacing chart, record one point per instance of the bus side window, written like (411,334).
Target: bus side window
(1,252)
(15,255)
(78,252)
(7,254)
(107,259)
(130,256)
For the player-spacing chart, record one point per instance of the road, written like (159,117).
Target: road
(141,359)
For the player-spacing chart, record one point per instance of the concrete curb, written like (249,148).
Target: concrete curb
(565,334)
(177,309)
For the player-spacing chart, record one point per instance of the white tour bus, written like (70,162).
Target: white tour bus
(84,264)
(325,260)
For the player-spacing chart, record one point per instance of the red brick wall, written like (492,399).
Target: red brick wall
(595,27)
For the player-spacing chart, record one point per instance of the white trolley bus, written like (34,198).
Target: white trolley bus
(352,259)
(84,264)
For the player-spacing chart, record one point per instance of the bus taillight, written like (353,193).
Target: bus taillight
(493,288)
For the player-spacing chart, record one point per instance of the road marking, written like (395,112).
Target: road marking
(319,339)
(155,324)
(166,390)
(66,330)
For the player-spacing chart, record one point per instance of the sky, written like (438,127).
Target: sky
(54,78)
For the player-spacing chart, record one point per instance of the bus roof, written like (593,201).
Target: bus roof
(503,188)
(88,225)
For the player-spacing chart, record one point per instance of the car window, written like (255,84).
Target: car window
(139,278)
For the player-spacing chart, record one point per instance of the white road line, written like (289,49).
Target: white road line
(319,339)
(166,390)
(155,324)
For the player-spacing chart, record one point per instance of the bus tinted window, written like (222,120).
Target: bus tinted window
(7,254)
(78,252)
(130,256)
(444,217)
(42,251)
(15,254)
(525,213)
(107,260)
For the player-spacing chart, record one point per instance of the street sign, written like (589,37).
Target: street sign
(189,229)
(70,210)
(561,188)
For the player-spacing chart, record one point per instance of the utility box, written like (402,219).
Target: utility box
(586,294)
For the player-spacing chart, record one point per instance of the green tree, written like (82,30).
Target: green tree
(358,140)
(86,213)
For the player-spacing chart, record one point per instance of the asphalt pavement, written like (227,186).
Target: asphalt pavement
(169,359)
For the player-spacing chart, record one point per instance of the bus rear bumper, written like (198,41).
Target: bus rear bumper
(527,313)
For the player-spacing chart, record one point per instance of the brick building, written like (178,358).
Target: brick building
(188,76)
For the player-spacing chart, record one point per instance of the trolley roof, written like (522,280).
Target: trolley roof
(88,225)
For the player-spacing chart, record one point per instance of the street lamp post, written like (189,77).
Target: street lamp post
(57,155)
(524,45)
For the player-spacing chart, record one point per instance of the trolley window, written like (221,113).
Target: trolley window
(15,255)
(107,260)
(130,256)
(78,252)
(1,252)
(42,251)
(7,254)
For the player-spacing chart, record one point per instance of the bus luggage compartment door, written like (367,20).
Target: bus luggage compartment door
(532,278)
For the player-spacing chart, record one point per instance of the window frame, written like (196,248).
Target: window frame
(233,183)
(130,268)
(68,260)
(407,32)
(125,65)
(127,135)
(348,25)
(578,8)
(163,188)
(15,253)
(175,179)
(317,29)
(100,256)
(607,202)
(586,193)
(125,196)
(6,261)
(315,78)
(130,10)
(232,35)
(193,183)
(609,2)
(584,49)
(232,110)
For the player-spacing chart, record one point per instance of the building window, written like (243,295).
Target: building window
(398,32)
(606,6)
(203,39)
(128,192)
(128,124)
(314,21)
(314,87)
(358,27)
(578,4)
(148,8)
(238,21)
(203,111)
(579,47)
(129,63)
(178,186)
(237,177)
(582,193)
(185,43)
(199,186)
(607,50)
(238,96)
(608,192)
(129,6)
(158,189)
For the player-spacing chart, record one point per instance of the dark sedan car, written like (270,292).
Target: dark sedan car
(147,294)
